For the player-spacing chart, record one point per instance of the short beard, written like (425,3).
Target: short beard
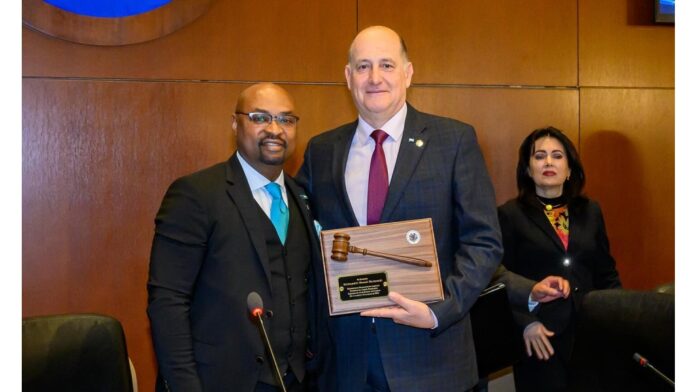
(271,161)
(267,160)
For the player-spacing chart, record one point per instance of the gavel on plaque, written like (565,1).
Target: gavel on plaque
(341,247)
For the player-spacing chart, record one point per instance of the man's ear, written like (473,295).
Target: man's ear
(409,74)
(347,71)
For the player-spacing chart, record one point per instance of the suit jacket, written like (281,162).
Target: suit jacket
(443,178)
(496,335)
(208,254)
(533,250)
(518,287)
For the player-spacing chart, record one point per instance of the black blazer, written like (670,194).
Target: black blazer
(208,253)
(442,177)
(533,250)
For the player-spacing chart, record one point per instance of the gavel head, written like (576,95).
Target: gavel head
(339,249)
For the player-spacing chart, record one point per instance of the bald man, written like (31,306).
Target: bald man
(395,163)
(237,227)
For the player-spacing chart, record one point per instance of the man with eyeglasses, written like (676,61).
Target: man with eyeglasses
(238,227)
(395,163)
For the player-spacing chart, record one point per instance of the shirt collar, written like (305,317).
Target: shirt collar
(394,127)
(255,179)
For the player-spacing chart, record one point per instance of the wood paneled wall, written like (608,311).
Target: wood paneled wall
(106,129)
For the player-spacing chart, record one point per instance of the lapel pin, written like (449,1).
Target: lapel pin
(419,143)
(411,140)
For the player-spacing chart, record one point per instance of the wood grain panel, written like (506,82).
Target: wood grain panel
(321,108)
(241,40)
(620,46)
(483,42)
(502,118)
(628,151)
(97,159)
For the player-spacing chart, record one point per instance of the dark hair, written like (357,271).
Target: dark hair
(572,188)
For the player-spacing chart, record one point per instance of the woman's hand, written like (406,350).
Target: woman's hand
(536,337)
(550,288)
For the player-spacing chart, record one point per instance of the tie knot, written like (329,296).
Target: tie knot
(379,135)
(274,190)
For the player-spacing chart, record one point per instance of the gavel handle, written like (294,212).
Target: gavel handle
(403,259)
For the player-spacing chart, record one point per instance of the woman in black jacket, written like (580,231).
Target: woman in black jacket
(552,229)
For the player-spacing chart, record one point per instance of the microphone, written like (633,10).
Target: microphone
(255,305)
(642,361)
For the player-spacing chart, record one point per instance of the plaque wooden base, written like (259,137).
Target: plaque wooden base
(363,281)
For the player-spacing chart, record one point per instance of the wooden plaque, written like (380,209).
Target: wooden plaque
(364,281)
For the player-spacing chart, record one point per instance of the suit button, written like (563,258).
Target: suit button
(269,313)
(289,277)
(566,262)
(305,280)
(259,359)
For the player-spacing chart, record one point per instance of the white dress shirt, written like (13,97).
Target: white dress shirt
(257,184)
(358,164)
(360,154)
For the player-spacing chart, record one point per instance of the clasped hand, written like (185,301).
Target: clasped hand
(550,288)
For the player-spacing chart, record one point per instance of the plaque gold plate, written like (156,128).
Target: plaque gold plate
(363,280)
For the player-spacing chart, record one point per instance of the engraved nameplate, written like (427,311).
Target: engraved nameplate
(363,286)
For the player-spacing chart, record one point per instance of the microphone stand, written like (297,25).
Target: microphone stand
(642,361)
(267,342)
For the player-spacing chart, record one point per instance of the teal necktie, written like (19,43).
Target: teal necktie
(279,211)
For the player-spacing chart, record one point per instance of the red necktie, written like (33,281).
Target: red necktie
(379,179)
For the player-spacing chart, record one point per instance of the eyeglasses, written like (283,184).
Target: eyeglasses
(261,118)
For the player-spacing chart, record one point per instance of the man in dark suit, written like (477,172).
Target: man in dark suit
(395,163)
(221,233)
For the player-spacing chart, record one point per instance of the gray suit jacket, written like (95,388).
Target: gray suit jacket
(443,178)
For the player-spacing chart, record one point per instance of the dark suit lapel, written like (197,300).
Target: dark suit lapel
(413,143)
(537,216)
(316,287)
(339,155)
(300,197)
(238,189)
(577,222)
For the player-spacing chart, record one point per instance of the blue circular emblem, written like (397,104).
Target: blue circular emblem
(108,8)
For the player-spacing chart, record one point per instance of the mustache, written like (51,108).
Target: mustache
(267,136)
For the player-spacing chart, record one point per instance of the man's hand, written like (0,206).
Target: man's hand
(407,312)
(550,288)
(536,337)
